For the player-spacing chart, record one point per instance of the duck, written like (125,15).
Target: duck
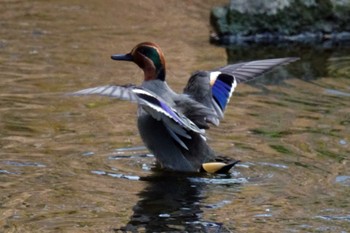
(173,125)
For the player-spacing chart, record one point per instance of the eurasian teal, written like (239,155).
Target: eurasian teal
(172,125)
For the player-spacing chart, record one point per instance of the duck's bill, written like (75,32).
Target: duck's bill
(122,57)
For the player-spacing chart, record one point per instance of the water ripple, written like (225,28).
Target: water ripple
(334,218)
(344,180)
(218,204)
(88,153)
(7,172)
(128,149)
(336,92)
(274,165)
(115,175)
(24,164)
(241,180)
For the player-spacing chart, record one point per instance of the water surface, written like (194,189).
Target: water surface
(62,163)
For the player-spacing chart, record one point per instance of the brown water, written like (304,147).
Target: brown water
(62,168)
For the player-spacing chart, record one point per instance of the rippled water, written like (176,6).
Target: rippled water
(77,164)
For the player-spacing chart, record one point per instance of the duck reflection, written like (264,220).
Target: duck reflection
(170,203)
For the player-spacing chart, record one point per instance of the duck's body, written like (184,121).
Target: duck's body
(159,139)
(172,125)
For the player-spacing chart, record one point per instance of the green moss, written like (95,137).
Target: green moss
(281,149)
(302,165)
(272,134)
(332,155)
(293,17)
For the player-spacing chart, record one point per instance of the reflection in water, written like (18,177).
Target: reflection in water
(171,202)
(315,62)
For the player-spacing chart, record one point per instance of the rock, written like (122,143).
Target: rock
(297,21)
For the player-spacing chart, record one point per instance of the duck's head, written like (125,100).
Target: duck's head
(149,57)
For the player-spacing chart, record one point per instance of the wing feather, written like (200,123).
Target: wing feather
(247,71)
(113,91)
(214,88)
(177,124)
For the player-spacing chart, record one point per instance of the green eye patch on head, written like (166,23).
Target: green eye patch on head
(152,54)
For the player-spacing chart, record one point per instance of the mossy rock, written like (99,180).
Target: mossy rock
(281,20)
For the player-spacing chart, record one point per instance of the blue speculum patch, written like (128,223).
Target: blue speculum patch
(221,93)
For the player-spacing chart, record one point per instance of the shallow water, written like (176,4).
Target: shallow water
(76,164)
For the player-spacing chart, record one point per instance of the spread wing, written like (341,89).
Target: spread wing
(214,88)
(246,71)
(175,122)
(114,91)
